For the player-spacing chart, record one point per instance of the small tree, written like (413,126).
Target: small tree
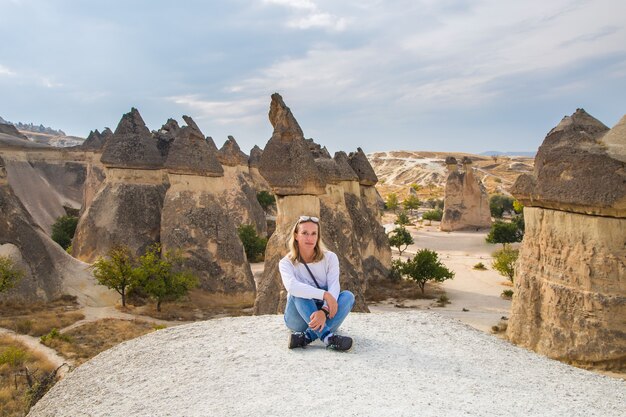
(402,219)
(504,261)
(411,203)
(518,207)
(425,266)
(431,215)
(117,271)
(265,199)
(63,230)
(9,274)
(400,238)
(253,244)
(503,232)
(161,275)
(498,204)
(392,201)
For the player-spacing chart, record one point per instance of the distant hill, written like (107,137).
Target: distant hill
(509,153)
(45,135)
(397,170)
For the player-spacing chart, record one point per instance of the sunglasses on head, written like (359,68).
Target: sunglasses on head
(308,219)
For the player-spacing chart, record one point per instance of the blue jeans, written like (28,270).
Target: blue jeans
(299,310)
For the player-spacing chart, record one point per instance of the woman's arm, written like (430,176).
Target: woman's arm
(295,287)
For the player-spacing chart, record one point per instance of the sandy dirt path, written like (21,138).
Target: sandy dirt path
(476,291)
(34,345)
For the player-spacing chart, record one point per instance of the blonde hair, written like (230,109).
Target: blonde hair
(292,245)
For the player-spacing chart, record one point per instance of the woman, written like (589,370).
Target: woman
(315,305)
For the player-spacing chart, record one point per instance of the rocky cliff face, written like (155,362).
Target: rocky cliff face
(466,203)
(570,279)
(307,181)
(48,271)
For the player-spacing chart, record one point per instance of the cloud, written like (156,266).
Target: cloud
(239,111)
(307,15)
(4,71)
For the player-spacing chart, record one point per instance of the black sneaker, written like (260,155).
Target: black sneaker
(341,343)
(298,339)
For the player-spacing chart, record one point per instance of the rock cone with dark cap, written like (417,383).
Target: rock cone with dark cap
(127,209)
(359,163)
(93,142)
(132,145)
(189,153)
(569,299)
(286,162)
(466,203)
(196,220)
(308,182)
(230,154)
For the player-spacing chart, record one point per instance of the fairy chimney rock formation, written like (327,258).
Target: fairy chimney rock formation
(308,181)
(231,155)
(189,153)
(466,203)
(451,163)
(255,157)
(127,208)
(569,298)
(132,145)
(362,167)
(286,162)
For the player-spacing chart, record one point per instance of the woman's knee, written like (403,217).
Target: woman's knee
(347,297)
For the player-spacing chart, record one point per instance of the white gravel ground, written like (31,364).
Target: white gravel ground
(413,363)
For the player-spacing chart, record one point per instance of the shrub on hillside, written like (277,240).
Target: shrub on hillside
(265,199)
(253,244)
(63,230)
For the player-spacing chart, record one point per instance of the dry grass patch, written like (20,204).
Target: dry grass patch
(36,319)
(402,289)
(14,389)
(200,305)
(84,342)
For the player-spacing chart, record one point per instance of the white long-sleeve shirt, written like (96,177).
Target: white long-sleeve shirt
(298,281)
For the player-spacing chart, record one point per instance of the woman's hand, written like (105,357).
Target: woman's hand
(318,320)
(332,304)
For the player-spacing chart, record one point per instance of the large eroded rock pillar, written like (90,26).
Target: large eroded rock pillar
(570,280)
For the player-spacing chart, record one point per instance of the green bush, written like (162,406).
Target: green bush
(265,199)
(118,271)
(13,356)
(503,232)
(9,274)
(507,294)
(63,230)
(55,334)
(480,266)
(504,261)
(253,244)
(400,238)
(402,219)
(161,276)
(431,215)
(425,266)
(498,204)
(411,203)
(391,203)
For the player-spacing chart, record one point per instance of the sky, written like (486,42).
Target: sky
(438,75)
